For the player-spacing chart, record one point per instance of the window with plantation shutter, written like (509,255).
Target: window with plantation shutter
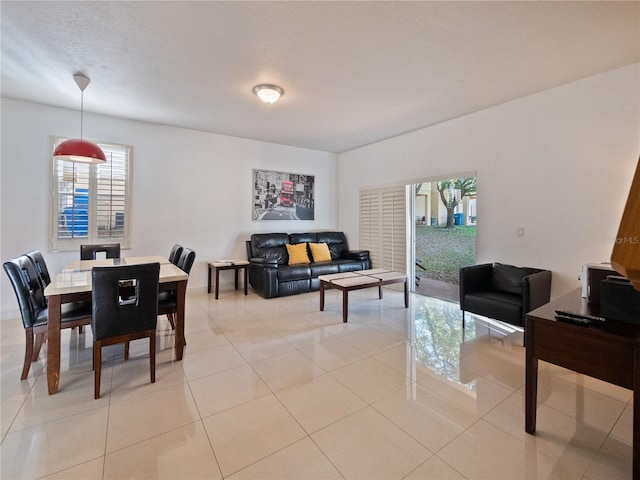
(91,203)
(383,227)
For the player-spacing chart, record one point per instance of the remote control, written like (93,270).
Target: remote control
(568,313)
(583,322)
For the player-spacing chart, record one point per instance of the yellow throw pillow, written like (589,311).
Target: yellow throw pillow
(297,253)
(320,252)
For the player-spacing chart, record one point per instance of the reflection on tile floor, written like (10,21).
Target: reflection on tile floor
(276,389)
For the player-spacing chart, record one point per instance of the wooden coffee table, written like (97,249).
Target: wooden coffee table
(349,281)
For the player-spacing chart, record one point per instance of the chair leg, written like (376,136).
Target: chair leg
(28,352)
(38,346)
(463,319)
(152,355)
(171,320)
(97,367)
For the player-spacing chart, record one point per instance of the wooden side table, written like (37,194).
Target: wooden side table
(236,265)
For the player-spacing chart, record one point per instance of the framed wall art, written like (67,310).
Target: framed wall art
(282,196)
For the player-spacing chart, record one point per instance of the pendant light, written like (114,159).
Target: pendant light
(79,150)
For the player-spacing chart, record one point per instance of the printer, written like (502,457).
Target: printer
(590,278)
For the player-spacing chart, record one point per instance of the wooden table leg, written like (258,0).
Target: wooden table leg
(217,286)
(53,344)
(531,383)
(209,280)
(345,305)
(180,304)
(235,270)
(245,279)
(321,295)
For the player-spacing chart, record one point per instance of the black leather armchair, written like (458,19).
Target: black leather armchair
(503,292)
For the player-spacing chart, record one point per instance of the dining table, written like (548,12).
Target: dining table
(73,284)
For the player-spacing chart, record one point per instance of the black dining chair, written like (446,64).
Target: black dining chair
(41,266)
(175,253)
(121,320)
(88,252)
(29,291)
(168,301)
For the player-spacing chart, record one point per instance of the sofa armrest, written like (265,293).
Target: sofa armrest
(473,279)
(536,290)
(263,276)
(356,254)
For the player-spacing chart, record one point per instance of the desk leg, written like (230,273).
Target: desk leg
(217,287)
(53,344)
(531,383)
(345,305)
(180,304)
(235,271)
(636,415)
(245,280)
(209,280)
(321,296)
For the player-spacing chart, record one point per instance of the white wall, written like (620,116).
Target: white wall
(189,187)
(558,163)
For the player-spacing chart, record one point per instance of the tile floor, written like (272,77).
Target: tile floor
(276,389)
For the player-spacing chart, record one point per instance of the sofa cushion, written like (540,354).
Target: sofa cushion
(324,268)
(320,252)
(270,246)
(294,272)
(302,238)
(297,254)
(336,241)
(507,278)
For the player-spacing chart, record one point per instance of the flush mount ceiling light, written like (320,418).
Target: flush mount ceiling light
(79,150)
(268,93)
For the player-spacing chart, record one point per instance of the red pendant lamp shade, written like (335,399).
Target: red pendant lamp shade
(79,150)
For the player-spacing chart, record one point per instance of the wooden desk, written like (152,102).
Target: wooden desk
(74,285)
(349,281)
(609,352)
(216,265)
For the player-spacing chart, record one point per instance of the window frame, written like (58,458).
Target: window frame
(57,244)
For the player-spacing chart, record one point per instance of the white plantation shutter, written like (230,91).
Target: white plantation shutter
(91,203)
(383,227)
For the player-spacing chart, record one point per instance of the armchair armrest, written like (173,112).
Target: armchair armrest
(473,279)
(536,290)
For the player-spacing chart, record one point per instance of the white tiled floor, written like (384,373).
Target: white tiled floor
(276,389)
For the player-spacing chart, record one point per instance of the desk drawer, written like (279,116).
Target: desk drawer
(583,350)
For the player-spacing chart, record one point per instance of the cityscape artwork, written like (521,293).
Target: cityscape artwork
(282,196)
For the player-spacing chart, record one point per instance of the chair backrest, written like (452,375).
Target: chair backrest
(27,287)
(88,252)
(185,262)
(176,251)
(41,266)
(114,316)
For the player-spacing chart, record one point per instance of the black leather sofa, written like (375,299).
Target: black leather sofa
(270,274)
(503,292)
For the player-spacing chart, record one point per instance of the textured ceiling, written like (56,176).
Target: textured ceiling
(353,72)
